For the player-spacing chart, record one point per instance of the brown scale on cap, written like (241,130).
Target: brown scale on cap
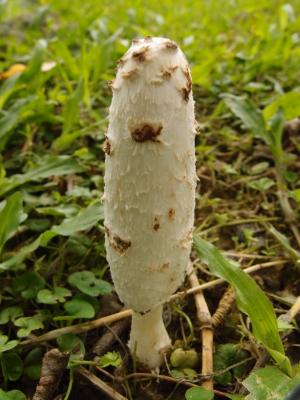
(185,92)
(167,73)
(129,74)
(146,133)
(170,45)
(188,76)
(186,240)
(171,214)
(120,62)
(107,146)
(140,55)
(160,268)
(118,244)
(156,224)
(112,85)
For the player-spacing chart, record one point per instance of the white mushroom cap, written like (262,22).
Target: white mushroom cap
(150,173)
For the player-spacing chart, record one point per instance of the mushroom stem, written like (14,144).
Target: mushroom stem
(149,337)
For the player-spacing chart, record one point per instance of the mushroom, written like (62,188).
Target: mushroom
(150,184)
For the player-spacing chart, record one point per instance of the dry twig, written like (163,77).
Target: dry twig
(293,311)
(87,326)
(110,336)
(104,387)
(54,364)
(110,306)
(204,318)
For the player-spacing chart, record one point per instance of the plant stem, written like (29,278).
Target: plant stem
(283,197)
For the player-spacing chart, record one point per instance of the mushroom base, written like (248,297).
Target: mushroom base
(149,337)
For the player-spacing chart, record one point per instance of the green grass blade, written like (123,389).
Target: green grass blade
(251,300)
(71,110)
(11,215)
(284,241)
(83,221)
(34,66)
(289,102)
(54,165)
(10,120)
(251,117)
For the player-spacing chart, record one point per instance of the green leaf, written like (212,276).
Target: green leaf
(10,314)
(7,89)
(51,166)
(69,342)
(6,344)
(33,363)
(296,195)
(286,16)
(199,393)
(250,298)
(11,216)
(36,59)
(12,365)
(269,383)
(21,255)
(112,358)
(291,176)
(71,110)
(11,119)
(226,355)
(178,374)
(259,168)
(84,220)
(70,117)
(57,295)
(181,358)
(289,102)
(251,117)
(284,241)
(28,284)
(262,184)
(87,283)
(12,395)
(276,129)
(38,224)
(72,344)
(79,308)
(29,324)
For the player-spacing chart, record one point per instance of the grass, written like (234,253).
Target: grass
(245,58)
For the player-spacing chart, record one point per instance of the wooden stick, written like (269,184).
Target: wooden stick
(207,333)
(79,328)
(104,387)
(148,375)
(293,311)
(87,326)
(53,367)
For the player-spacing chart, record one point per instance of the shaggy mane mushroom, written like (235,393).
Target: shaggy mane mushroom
(150,186)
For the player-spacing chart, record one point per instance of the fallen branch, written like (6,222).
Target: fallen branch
(87,326)
(54,364)
(104,387)
(79,328)
(166,378)
(204,317)
(293,311)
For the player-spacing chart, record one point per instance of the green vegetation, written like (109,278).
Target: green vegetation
(55,60)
